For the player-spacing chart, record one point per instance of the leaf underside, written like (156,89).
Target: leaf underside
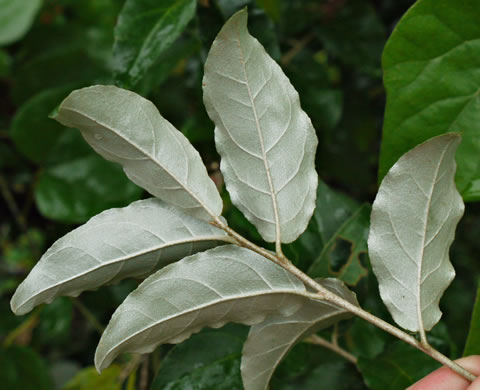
(413,223)
(209,289)
(266,141)
(134,241)
(126,128)
(269,341)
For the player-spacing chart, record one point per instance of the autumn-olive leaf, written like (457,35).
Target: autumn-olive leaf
(209,289)
(126,128)
(269,341)
(266,141)
(134,241)
(413,223)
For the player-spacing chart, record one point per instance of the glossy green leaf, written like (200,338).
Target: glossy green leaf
(22,368)
(269,341)
(145,29)
(413,223)
(266,141)
(16,17)
(76,190)
(208,360)
(397,368)
(365,339)
(209,289)
(32,131)
(5,63)
(55,323)
(125,128)
(472,346)
(130,242)
(430,74)
(77,184)
(74,56)
(328,376)
(336,237)
(89,379)
(165,65)
(342,254)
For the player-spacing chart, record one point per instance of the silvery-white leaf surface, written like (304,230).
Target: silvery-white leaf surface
(128,242)
(209,289)
(269,342)
(126,128)
(413,223)
(266,141)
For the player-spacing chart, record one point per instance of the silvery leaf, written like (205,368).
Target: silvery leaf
(209,289)
(126,128)
(413,223)
(129,242)
(266,141)
(269,342)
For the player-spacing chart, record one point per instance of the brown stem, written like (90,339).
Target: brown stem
(324,294)
(314,339)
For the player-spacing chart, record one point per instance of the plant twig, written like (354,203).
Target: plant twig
(143,383)
(324,294)
(12,205)
(88,315)
(297,47)
(314,339)
(130,367)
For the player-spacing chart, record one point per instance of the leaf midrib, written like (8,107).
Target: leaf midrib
(300,293)
(262,144)
(123,259)
(424,235)
(152,158)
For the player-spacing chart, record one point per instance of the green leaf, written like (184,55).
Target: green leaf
(413,223)
(343,253)
(354,33)
(70,58)
(75,191)
(272,8)
(125,128)
(397,368)
(472,346)
(365,339)
(89,379)
(131,242)
(5,63)
(22,368)
(145,29)
(209,289)
(165,64)
(428,65)
(337,236)
(16,17)
(330,376)
(32,131)
(269,341)
(266,141)
(55,323)
(209,360)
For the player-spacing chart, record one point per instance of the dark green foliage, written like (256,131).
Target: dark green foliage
(50,179)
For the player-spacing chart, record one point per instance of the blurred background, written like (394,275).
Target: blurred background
(51,181)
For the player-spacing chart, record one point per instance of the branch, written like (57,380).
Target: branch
(316,340)
(326,295)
